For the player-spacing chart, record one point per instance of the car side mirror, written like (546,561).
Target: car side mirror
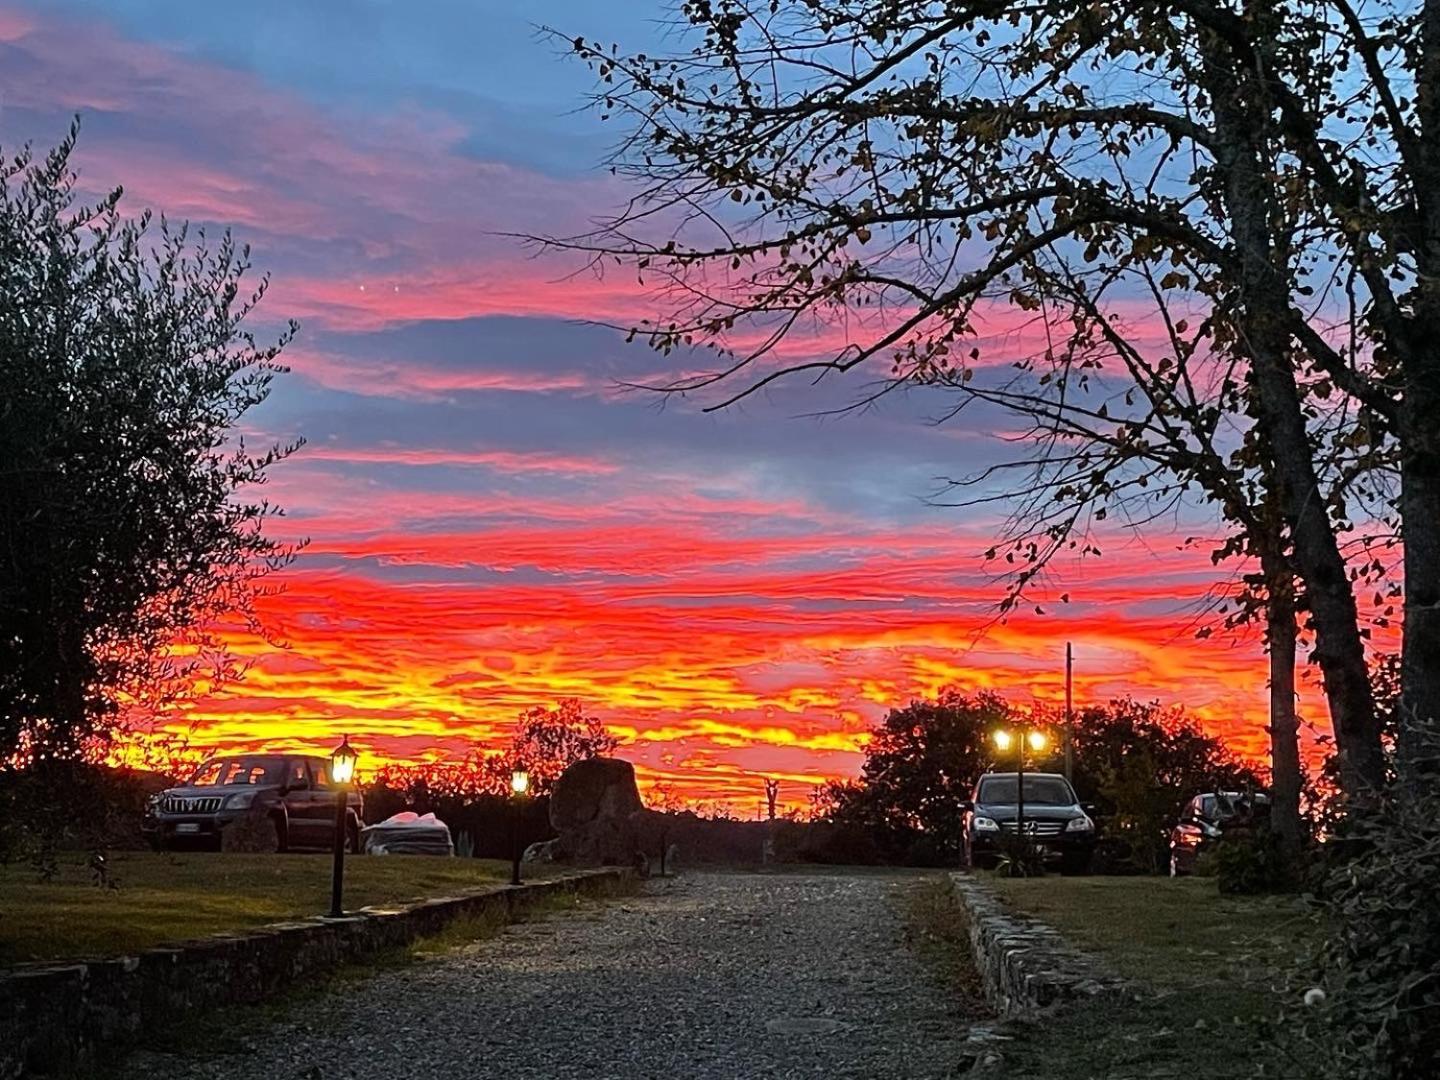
(966,804)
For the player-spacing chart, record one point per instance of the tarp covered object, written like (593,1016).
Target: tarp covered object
(408,833)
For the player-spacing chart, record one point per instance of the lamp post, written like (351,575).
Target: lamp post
(342,769)
(1004,739)
(519,785)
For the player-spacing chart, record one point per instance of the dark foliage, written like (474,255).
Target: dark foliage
(920,764)
(71,805)
(1379,962)
(545,743)
(548,741)
(1138,762)
(1250,863)
(124,372)
(826,843)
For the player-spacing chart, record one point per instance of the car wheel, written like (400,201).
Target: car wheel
(156,842)
(1174,865)
(282,835)
(352,837)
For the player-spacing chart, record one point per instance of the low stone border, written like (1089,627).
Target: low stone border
(57,1016)
(1026,966)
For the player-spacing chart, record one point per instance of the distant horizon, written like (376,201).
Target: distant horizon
(494,524)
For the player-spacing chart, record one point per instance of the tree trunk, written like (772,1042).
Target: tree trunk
(1263,298)
(1419,351)
(1284,724)
(1418,719)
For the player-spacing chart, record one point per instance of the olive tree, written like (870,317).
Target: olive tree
(131,532)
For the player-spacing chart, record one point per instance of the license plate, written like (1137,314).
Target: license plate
(188,827)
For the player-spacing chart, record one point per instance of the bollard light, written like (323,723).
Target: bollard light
(342,771)
(519,785)
(342,762)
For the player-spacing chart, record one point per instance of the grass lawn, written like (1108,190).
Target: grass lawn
(169,897)
(1207,967)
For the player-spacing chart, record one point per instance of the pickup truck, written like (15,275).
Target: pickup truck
(286,799)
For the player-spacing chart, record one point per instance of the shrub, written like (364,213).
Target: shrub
(824,842)
(1249,863)
(1379,962)
(1019,856)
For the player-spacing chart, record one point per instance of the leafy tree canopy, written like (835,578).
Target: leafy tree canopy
(922,762)
(130,532)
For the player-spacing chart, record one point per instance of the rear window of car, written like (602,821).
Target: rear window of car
(232,772)
(1039,791)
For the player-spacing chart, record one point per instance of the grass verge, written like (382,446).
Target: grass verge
(169,897)
(1205,967)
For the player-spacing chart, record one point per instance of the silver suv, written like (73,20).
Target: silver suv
(285,800)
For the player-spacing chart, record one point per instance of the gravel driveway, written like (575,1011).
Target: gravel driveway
(707,976)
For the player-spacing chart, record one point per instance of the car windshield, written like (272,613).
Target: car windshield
(1039,791)
(229,772)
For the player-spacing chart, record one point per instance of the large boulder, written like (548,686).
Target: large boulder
(594,808)
(595,789)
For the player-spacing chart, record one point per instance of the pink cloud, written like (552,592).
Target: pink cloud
(403,378)
(498,460)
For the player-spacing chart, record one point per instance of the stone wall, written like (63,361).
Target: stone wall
(55,1017)
(1026,967)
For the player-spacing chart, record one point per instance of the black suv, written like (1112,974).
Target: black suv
(1054,820)
(285,798)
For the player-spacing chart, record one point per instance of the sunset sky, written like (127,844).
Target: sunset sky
(493,523)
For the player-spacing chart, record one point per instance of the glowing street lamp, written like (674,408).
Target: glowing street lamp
(1004,740)
(342,771)
(519,787)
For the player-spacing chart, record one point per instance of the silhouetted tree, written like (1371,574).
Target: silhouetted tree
(920,764)
(129,530)
(548,741)
(1139,762)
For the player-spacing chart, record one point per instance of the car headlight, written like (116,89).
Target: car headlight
(984,824)
(240,800)
(1080,824)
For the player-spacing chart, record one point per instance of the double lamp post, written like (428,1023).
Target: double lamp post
(1004,740)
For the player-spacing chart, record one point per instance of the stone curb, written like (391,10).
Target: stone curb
(56,1016)
(1026,967)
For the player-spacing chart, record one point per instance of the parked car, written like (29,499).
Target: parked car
(1206,818)
(1054,819)
(287,795)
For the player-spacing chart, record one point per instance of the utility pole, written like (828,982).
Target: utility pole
(1069,712)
